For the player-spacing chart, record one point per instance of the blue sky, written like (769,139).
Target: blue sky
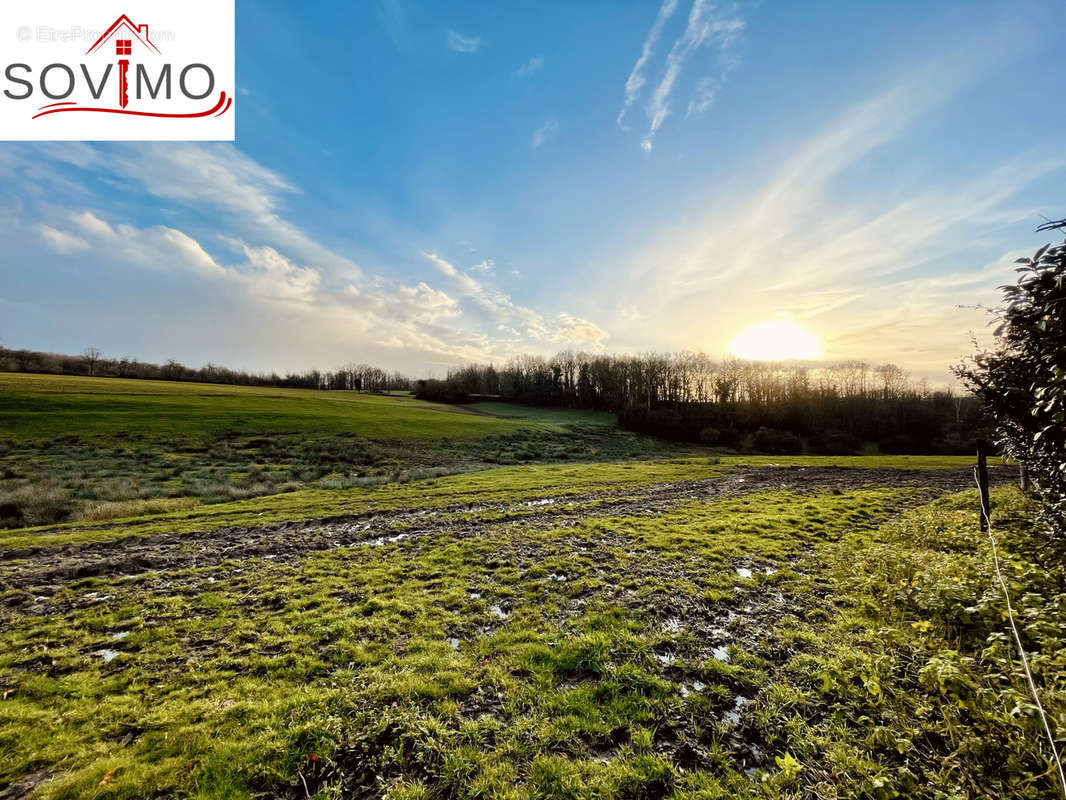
(422,184)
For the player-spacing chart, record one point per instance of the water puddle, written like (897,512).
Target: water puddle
(694,687)
(384,540)
(119,636)
(547,501)
(744,572)
(107,655)
(721,653)
(733,716)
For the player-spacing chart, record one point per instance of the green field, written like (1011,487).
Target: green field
(34,407)
(100,448)
(689,626)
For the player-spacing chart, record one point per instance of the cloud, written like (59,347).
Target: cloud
(60,241)
(392,16)
(531,67)
(461,43)
(524,327)
(545,133)
(707,26)
(881,273)
(636,80)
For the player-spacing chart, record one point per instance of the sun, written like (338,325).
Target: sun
(776,340)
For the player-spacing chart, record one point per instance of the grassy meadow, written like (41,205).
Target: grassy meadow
(101,448)
(623,622)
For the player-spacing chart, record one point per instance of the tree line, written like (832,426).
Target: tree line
(92,363)
(690,396)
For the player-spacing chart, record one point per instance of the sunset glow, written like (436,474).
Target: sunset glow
(776,340)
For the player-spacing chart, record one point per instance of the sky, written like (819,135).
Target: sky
(423,184)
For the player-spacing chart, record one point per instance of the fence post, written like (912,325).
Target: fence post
(1023,479)
(982,482)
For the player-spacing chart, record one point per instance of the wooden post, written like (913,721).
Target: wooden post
(1023,479)
(982,482)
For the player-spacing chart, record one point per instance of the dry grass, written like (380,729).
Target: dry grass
(101,512)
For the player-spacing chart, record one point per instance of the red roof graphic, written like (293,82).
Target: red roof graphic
(140,32)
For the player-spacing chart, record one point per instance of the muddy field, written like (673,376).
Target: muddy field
(632,640)
(44,567)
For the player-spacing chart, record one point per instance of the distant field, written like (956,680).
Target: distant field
(100,448)
(37,407)
(545,415)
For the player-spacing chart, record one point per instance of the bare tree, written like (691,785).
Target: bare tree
(92,357)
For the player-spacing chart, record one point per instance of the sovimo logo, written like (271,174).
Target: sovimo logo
(169,75)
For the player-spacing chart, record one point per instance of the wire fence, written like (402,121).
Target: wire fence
(987,525)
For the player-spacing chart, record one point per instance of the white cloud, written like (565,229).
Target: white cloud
(523,326)
(93,225)
(273,275)
(461,43)
(636,80)
(807,243)
(707,25)
(545,133)
(531,67)
(60,241)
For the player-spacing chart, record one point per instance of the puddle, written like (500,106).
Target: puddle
(721,653)
(547,501)
(383,540)
(107,655)
(695,686)
(498,612)
(118,637)
(733,716)
(744,572)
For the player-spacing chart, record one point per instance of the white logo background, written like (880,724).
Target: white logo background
(185,32)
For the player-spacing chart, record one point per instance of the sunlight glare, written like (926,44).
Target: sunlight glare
(776,340)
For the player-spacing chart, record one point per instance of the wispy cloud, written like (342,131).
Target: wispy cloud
(462,43)
(545,133)
(392,16)
(636,81)
(531,67)
(708,25)
(516,322)
(882,278)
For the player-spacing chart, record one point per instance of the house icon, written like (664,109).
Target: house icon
(125,33)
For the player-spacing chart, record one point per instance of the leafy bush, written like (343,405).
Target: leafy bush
(710,435)
(836,443)
(1022,378)
(768,440)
